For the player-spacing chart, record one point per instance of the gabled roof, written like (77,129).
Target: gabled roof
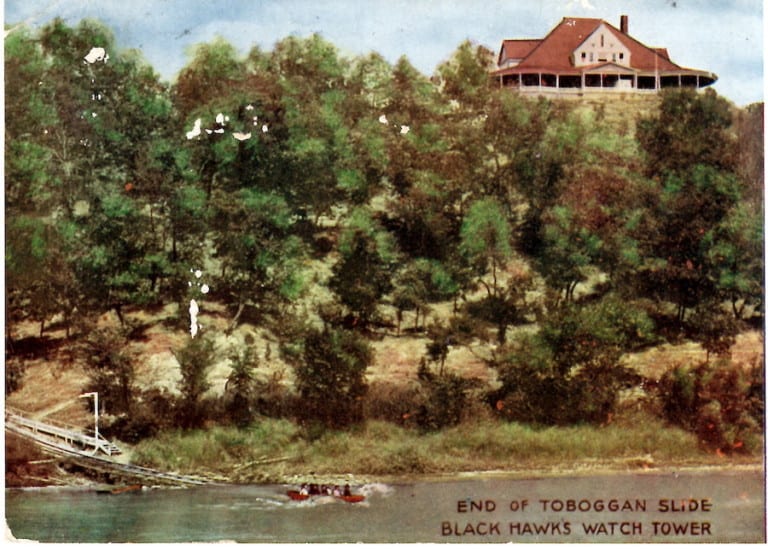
(553,52)
(517,49)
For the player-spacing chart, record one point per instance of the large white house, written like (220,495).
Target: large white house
(583,55)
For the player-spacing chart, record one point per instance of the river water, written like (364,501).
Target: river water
(722,506)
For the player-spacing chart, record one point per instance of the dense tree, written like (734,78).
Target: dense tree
(486,241)
(330,378)
(210,75)
(258,255)
(195,359)
(571,370)
(464,77)
(690,157)
(689,129)
(240,388)
(111,372)
(363,274)
(409,190)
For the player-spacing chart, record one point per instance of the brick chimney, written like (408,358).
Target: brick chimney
(624,26)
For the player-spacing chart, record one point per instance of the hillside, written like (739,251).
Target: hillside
(295,246)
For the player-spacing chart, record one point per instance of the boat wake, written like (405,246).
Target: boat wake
(367,491)
(376,489)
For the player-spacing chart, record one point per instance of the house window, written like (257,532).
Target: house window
(591,56)
(621,55)
(614,58)
(583,55)
(602,40)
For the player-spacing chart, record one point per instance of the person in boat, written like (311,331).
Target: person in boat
(347,490)
(304,490)
(336,491)
(314,489)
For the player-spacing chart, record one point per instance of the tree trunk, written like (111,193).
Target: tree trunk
(502,333)
(119,311)
(236,318)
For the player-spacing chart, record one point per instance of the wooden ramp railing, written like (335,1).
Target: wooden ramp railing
(60,440)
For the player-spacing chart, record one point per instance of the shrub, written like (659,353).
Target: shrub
(570,370)
(446,398)
(152,412)
(14,376)
(718,401)
(239,391)
(393,402)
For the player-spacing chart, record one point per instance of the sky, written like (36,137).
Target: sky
(721,36)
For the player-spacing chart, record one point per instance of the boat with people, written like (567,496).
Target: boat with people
(309,490)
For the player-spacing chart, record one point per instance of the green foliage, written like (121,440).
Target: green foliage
(485,238)
(419,189)
(570,371)
(213,68)
(714,328)
(363,273)
(465,76)
(330,378)
(195,360)
(240,389)
(446,400)
(109,365)
(720,401)
(736,257)
(689,129)
(567,252)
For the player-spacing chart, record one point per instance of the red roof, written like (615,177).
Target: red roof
(517,49)
(553,52)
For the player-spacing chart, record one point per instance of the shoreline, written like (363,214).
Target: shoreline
(82,483)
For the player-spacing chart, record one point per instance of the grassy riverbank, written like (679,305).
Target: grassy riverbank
(275,451)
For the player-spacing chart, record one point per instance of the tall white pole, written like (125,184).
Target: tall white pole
(96,414)
(95,396)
